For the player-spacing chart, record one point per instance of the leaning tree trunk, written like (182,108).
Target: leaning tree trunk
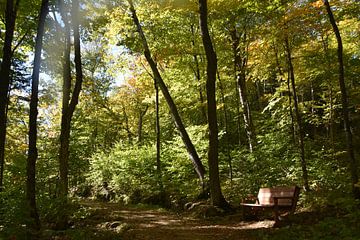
(217,197)
(10,17)
(297,117)
(33,152)
(345,105)
(199,168)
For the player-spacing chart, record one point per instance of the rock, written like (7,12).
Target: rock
(115,224)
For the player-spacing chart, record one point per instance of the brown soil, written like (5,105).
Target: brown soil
(113,221)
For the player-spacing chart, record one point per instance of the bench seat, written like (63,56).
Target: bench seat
(276,198)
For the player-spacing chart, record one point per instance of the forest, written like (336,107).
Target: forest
(172,110)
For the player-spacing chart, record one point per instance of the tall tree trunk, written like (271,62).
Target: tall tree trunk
(158,139)
(33,152)
(292,127)
(298,117)
(65,126)
(217,198)
(68,104)
(238,121)
(240,63)
(199,168)
(10,18)
(345,104)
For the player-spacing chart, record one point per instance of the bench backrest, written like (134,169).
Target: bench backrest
(266,195)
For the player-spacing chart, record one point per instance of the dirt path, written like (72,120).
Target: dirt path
(112,221)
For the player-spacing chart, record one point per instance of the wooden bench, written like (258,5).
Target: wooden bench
(277,199)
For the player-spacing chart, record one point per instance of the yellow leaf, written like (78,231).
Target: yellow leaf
(317,4)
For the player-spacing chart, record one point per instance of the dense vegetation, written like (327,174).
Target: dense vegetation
(124,107)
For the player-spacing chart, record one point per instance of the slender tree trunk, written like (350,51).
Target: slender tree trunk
(240,71)
(199,168)
(158,139)
(345,104)
(68,104)
(10,18)
(298,117)
(33,152)
(238,121)
(217,198)
(292,127)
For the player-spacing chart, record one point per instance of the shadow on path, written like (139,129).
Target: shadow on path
(113,221)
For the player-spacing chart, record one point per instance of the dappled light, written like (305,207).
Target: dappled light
(179,119)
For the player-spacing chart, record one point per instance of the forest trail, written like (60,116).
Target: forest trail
(113,221)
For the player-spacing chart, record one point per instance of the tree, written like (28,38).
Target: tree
(217,197)
(199,168)
(344,103)
(33,153)
(240,46)
(10,18)
(300,128)
(68,103)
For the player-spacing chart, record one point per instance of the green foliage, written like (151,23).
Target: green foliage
(13,210)
(127,171)
(131,172)
(333,215)
(118,88)
(274,162)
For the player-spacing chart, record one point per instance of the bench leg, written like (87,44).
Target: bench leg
(276,214)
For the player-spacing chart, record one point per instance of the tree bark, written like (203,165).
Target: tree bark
(33,152)
(297,117)
(199,168)
(240,63)
(217,198)
(10,18)
(345,104)
(158,139)
(64,125)
(68,103)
